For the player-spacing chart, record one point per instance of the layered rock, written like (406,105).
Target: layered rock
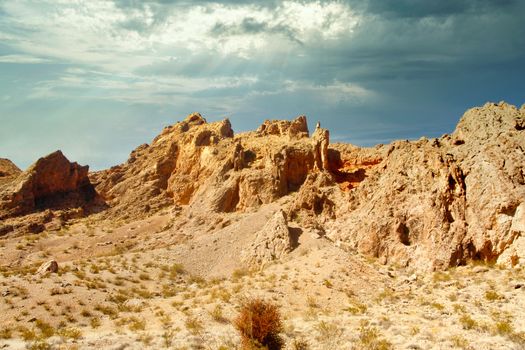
(438,203)
(51,182)
(205,166)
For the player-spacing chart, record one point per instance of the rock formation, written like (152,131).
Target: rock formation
(438,203)
(430,204)
(270,243)
(50,266)
(8,169)
(205,166)
(52,182)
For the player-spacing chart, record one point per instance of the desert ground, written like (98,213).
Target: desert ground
(413,245)
(124,286)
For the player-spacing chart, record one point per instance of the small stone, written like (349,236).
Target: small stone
(480,269)
(412,278)
(50,266)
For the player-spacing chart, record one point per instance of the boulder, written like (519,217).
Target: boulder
(51,182)
(50,266)
(272,242)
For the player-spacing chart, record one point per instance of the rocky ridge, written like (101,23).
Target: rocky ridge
(429,204)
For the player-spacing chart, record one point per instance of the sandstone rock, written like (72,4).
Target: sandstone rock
(51,182)
(169,170)
(434,204)
(321,139)
(50,266)
(272,242)
(297,128)
(8,169)
(430,203)
(205,166)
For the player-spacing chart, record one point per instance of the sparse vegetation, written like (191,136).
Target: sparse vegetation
(492,295)
(259,324)
(371,339)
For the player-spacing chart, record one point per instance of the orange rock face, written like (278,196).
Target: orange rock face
(8,168)
(205,166)
(429,204)
(51,182)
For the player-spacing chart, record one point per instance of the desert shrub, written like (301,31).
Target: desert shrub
(491,295)
(194,325)
(45,328)
(217,314)
(259,324)
(329,333)
(300,344)
(371,339)
(467,322)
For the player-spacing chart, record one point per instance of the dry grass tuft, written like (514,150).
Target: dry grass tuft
(259,324)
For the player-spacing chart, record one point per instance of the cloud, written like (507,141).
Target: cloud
(119,38)
(372,69)
(22,59)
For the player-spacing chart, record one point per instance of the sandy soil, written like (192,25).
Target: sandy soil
(171,282)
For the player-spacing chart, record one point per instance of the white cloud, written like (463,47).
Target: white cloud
(330,94)
(22,59)
(90,84)
(110,45)
(101,34)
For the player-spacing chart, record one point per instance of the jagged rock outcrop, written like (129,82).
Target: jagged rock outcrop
(272,242)
(8,169)
(437,203)
(295,129)
(321,139)
(426,203)
(167,171)
(205,166)
(51,182)
(430,204)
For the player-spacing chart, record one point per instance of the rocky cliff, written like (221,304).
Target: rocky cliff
(52,182)
(430,203)
(440,202)
(208,168)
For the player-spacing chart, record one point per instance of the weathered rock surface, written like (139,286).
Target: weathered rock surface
(51,182)
(272,242)
(50,266)
(426,203)
(8,168)
(437,203)
(167,171)
(205,166)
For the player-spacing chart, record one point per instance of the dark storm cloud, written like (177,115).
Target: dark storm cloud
(252,26)
(423,8)
(398,69)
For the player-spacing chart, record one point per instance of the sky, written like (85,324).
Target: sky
(98,78)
